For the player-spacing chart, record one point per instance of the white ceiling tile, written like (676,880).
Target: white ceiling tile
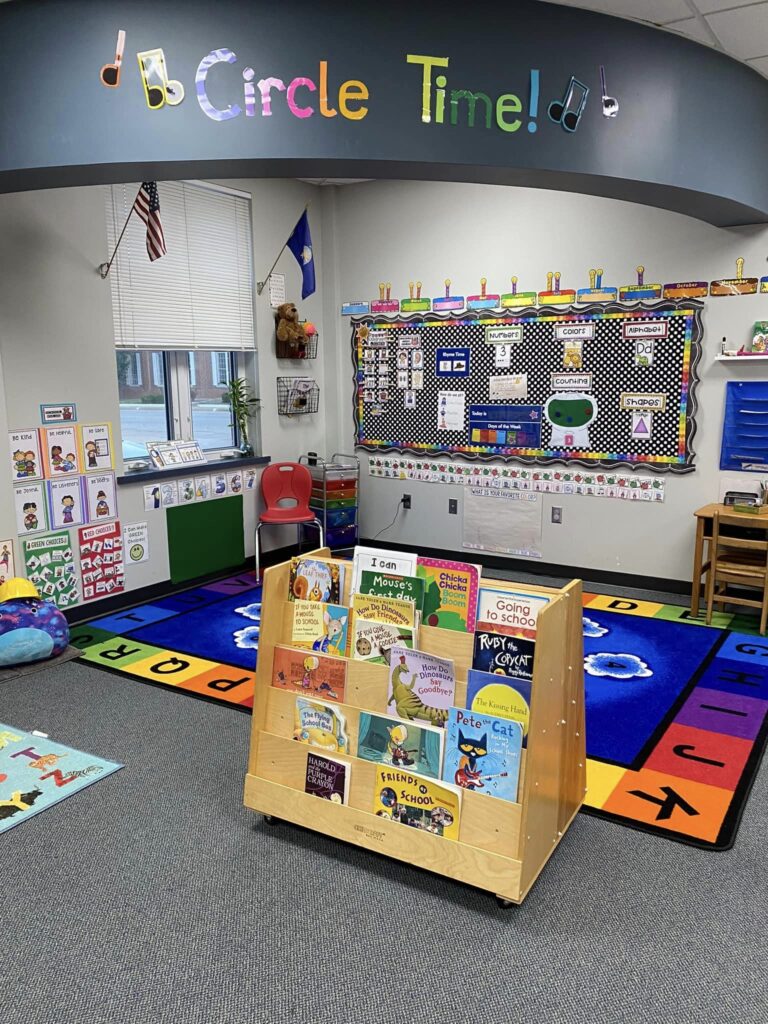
(761,65)
(655,11)
(743,32)
(711,6)
(692,28)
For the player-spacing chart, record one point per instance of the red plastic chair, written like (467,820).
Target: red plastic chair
(286,488)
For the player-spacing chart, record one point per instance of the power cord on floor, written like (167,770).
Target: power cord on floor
(399,506)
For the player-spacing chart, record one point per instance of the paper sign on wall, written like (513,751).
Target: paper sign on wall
(66,502)
(101,496)
(511,385)
(276,290)
(7,565)
(101,560)
(31,509)
(450,410)
(511,335)
(24,451)
(49,565)
(506,521)
(60,450)
(572,332)
(502,357)
(645,401)
(646,329)
(571,381)
(96,447)
(136,542)
(452,362)
(642,425)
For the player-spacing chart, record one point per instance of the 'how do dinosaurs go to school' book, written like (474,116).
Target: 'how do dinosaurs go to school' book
(320,725)
(505,655)
(316,579)
(313,675)
(508,612)
(450,594)
(320,627)
(417,801)
(327,777)
(492,694)
(421,686)
(399,744)
(389,584)
(482,753)
(384,609)
(373,641)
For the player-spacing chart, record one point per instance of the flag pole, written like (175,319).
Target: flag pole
(260,285)
(104,268)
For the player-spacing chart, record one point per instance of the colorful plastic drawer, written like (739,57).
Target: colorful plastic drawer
(344,537)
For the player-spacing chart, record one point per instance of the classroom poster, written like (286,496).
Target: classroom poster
(7,566)
(60,451)
(249,480)
(49,565)
(66,413)
(450,410)
(186,490)
(66,502)
(202,488)
(219,485)
(24,453)
(169,493)
(96,447)
(136,542)
(101,560)
(31,509)
(101,496)
(152,497)
(235,481)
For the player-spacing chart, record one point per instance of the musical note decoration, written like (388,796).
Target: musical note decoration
(554,295)
(641,290)
(738,285)
(385,303)
(483,300)
(516,299)
(159,89)
(596,292)
(110,73)
(567,111)
(415,303)
(448,301)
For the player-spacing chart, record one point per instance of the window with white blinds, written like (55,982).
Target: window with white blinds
(200,294)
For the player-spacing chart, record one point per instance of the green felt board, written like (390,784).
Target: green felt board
(205,537)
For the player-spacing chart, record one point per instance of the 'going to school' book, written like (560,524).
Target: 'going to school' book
(492,694)
(505,611)
(417,801)
(399,744)
(327,778)
(482,753)
(450,594)
(314,675)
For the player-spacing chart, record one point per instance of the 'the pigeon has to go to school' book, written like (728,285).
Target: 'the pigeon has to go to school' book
(505,655)
(316,579)
(509,612)
(328,778)
(373,641)
(384,609)
(482,753)
(311,674)
(399,744)
(388,584)
(417,801)
(450,593)
(500,696)
(320,627)
(420,686)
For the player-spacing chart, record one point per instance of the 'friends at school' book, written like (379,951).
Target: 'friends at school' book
(450,593)
(316,579)
(416,801)
(389,584)
(500,696)
(482,753)
(320,627)
(420,686)
(373,641)
(310,674)
(506,611)
(320,725)
(390,741)
(327,778)
(505,655)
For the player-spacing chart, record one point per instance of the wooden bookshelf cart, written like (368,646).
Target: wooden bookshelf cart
(502,846)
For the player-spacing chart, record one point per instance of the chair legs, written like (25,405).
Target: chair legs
(257,539)
(318,525)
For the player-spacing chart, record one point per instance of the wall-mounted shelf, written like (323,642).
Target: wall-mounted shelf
(742,359)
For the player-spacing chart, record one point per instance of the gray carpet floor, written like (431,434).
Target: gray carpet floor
(154,896)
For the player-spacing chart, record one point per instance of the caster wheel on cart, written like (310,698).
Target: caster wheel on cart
(505,904)
(271,820)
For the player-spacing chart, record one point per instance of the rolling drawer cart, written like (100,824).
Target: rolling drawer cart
(335,496)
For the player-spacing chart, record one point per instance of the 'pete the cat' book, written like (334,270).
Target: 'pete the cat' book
(450,594)
(320,627)
(327,778)
(505,655)
(420,686)
(504,611)
(388,584)
(492,694)
(417,801)
(482,753)
(311,674)
(320,725)
(373,641)
(316,579)
(390,741)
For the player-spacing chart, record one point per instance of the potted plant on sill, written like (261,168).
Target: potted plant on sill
(243,404)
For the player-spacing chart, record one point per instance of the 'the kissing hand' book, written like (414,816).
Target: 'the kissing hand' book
(320,725)
(373,641)
(327,778)
(450,595)
(311,674)
(420,686)
(416,801)
(482,753)
(492,694)
(502,654)
(390,741)
(320,627)
(316,579)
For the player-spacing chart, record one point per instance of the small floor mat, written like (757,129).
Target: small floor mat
(39,666)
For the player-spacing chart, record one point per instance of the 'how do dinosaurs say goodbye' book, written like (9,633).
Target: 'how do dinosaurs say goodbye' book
(421,686)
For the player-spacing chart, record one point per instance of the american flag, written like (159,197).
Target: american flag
(147,205)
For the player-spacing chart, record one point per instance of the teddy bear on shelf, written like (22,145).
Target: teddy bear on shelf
(290,331)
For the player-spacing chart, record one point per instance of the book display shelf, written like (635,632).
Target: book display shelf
(502,846)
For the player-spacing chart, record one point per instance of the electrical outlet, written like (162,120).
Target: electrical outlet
(557,514)
(453,507)
(406,501)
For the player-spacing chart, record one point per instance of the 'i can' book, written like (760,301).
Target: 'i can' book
(420,686)
(450,593)
(399,744)
(417,801)
(313,675)
(327,778)
(492,694)
(482,753)
(380,560)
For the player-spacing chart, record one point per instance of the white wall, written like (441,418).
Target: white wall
(401,231)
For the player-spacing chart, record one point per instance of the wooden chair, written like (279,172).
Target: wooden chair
(741,561)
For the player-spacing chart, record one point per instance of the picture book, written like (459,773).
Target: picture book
(417,801)
(399,744)
(380,560)
(388,584)
(509,612)
(450,593)
(504,655)
(500,696)
(320,627)
(24,452)
(310,674)
(320,725)
(96,449)
(483,753)
(60,449)
(316,579)
(373,641)
(420,685)
(384,609)
(31,508)
(327,778)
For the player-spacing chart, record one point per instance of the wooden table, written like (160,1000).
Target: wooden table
(704,517)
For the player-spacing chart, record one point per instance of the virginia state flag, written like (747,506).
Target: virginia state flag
(300,244)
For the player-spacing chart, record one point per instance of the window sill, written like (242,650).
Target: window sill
(148,475)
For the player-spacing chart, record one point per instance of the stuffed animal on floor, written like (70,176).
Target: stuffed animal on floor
(290,331)
(30,629)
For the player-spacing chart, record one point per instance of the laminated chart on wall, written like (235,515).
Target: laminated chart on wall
(602,386)
(745,427)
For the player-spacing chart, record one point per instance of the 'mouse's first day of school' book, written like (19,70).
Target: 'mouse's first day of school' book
(420,686)
(450,595)
(506,611)
(328,778)
(417,801)
(316,579)
(380,560)
(310,674)
(500,696)
(391,741)
(482,753)
(389,584)
(505,655)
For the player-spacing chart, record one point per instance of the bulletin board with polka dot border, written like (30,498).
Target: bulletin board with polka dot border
(385,422)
